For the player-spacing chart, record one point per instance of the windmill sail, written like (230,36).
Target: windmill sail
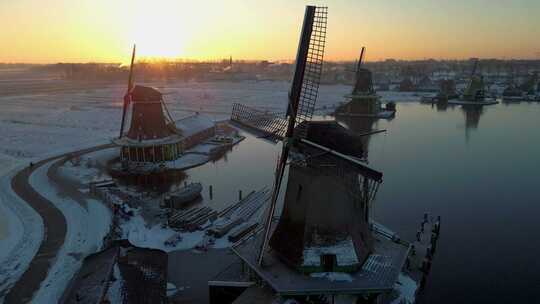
(305,86)
(272,125)
(302,97)
(309,63)
(127,97)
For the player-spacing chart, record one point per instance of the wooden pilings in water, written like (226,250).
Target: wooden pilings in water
(423,250)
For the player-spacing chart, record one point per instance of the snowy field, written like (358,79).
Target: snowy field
(36,123)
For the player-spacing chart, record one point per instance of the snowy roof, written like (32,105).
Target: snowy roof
(194,124)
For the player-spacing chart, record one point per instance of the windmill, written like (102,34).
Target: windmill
(363,100)
(152,136)
(363,80)
(324,224)
(323,169)
(475,91)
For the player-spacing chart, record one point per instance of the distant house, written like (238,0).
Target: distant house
(122,273)
(407,85)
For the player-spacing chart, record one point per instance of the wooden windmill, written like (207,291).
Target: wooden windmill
(475,90)
(324,224)
(363,84)
(152,136)
(329,189)
(363,100)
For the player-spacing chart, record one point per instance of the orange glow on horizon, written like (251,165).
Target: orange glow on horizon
(104,31)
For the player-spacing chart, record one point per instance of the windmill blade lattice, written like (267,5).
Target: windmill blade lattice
(305,86)
(312,72)
(273,125)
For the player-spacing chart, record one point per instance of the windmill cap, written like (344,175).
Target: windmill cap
(142,93)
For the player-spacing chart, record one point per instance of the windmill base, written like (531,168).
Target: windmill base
(378,274)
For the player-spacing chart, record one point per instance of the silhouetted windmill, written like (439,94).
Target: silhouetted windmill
(363,78)
(152,136)
(323,169)
(363,100)
(475,91)
(324,225)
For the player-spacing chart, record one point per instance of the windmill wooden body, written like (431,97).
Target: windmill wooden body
(152,137)
(324,224)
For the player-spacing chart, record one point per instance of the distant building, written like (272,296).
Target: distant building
(122,273)
(195,129)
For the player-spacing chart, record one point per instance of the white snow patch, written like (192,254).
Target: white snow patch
(406,287)
(171,289)
(114,293)
(333,276)
(140,234)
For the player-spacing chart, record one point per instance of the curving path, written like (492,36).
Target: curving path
(54,230)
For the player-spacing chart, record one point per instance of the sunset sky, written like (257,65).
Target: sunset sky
(104,30)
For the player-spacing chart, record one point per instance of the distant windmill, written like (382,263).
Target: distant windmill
(475,91)
(363,100)
(363,78)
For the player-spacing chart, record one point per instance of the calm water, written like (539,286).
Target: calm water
(477,168)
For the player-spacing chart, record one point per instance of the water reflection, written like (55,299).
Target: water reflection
(484,190)
(472,118)
(163,180)
(472,114)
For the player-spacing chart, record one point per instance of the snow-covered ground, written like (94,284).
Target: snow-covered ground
(406,288)
(86,228)
(142,234)
(36,124)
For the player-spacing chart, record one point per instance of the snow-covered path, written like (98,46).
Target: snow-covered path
(85,231)
(41,269)
(24,229)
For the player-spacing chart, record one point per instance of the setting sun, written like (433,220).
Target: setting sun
(157,29)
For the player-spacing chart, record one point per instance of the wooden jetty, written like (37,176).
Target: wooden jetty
(422,251)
